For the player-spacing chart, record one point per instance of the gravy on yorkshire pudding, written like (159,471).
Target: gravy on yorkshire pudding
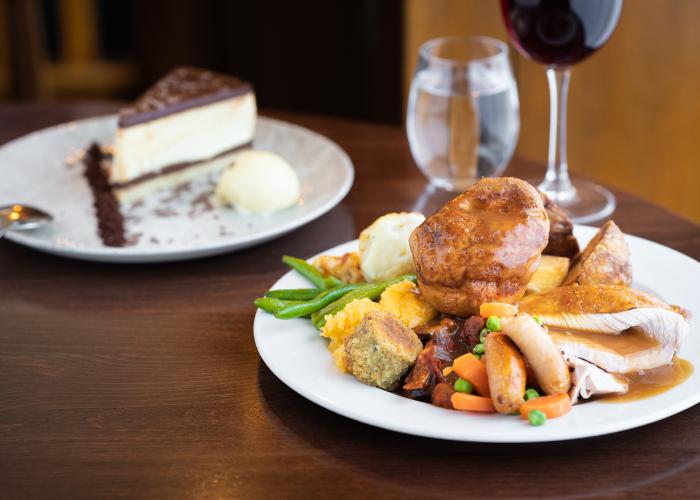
(483,246)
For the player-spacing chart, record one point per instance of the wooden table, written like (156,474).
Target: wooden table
(143,381)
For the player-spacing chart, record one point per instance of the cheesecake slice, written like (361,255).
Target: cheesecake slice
(191,122)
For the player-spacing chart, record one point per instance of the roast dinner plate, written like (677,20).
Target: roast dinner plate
(43,169)
(296,353)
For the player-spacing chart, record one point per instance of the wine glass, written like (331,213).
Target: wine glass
(560,33)
(463,113)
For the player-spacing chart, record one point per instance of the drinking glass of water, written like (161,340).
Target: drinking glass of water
(463,114)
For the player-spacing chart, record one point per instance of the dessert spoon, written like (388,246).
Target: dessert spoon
(22,217)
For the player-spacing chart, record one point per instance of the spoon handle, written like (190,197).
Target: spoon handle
(4,226)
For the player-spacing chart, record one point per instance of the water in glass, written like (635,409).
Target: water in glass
(463,113)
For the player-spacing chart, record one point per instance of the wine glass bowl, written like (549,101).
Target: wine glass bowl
(560,33)
(463,115)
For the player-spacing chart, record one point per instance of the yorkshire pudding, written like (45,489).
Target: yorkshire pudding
(482,246)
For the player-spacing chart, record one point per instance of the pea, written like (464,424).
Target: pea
(538,319)
(479,349)
(462,385)
(531,394)
(537,417)
(482,334)
(493,324)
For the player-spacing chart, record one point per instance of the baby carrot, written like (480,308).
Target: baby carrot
(469,402)
(552,406)
(471,368)
(500,309)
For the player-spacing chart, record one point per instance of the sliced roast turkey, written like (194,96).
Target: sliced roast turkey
(589,380)
(617,329)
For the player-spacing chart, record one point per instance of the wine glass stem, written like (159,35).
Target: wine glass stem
(557,183)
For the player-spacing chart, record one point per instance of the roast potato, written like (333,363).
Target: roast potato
(345,267)
(604,261)
(562,241)
(483,246)
(549,274)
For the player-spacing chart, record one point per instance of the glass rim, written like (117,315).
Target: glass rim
(427,46)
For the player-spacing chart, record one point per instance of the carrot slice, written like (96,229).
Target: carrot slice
(471,368)
(553,406)
(469,402)
(500,309)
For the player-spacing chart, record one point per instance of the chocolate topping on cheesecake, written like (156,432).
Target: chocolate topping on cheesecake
(183,88)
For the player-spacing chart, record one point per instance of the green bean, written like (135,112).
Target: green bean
(272,305)
(311,306)
(294,293)
(368,291)
(311,273)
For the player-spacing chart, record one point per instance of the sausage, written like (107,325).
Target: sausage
(544,357)
(507,376)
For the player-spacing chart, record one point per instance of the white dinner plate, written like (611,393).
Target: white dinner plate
(295,353)
(43,169)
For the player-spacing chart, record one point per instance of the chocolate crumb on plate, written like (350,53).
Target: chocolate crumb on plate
(164,212)
(200,204)
(133,239)
(176,193)
(135,205)
(110,222)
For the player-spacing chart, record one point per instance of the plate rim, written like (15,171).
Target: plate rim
(435,432)
(126,255)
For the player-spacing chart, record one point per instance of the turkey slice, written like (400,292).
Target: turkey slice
(615,328)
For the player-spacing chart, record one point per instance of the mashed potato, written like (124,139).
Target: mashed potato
(405,302)
(384,250)
(259,182)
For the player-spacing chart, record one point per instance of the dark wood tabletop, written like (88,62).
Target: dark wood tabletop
(144,381)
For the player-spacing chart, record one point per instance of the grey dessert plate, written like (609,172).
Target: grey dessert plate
(44,169)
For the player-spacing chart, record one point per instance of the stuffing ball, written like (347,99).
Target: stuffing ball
(381,350)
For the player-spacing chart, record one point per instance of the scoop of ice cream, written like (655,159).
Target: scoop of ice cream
(259,182)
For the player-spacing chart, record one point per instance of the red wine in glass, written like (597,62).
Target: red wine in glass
(560,33)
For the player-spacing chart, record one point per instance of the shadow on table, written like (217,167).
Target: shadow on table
(398,463)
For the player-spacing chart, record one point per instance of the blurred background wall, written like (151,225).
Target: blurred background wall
(634,106)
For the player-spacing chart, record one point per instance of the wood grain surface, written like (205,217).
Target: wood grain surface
(142,381)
